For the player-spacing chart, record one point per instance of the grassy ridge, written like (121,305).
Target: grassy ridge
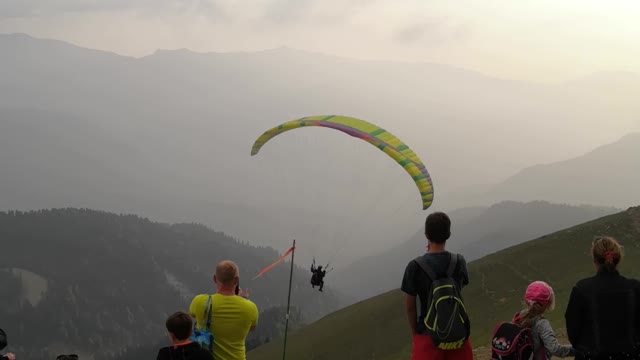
(377,328)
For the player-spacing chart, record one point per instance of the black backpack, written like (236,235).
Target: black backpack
(511,341)
(447,321)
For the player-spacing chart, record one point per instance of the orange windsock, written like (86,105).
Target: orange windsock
(275,263)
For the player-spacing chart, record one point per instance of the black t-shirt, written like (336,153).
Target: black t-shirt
(190,351)
(417,283)
(604,307)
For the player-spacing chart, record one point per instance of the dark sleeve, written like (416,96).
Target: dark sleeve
(573,315)
(409,281)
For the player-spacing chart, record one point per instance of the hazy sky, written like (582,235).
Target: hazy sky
(541,40)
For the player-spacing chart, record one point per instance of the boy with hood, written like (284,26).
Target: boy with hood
(3,344)
(180,326)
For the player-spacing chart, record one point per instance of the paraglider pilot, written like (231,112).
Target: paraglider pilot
(318,276)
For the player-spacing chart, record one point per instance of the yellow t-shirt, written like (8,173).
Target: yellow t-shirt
(231,319)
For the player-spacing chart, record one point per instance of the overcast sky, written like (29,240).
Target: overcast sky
(541,40)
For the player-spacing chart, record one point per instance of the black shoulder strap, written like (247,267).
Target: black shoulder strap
(426,268)
(453,261)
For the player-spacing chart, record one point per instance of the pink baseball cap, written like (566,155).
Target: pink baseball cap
(540,292)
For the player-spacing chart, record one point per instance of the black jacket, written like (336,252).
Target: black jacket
(603,317)
(191,351)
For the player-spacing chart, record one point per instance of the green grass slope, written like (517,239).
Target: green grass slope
(377,328)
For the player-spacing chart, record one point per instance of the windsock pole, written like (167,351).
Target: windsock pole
(286,326)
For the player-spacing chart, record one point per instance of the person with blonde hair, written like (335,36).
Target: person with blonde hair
(602,316)
(227,315)
(540,298)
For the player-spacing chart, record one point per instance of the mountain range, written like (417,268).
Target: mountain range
(476,232)
(168,135)
(593,178)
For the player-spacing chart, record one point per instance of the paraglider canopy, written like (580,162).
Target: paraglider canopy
(376,136)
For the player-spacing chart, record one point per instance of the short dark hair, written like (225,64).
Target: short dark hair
(437,227)
(180,325)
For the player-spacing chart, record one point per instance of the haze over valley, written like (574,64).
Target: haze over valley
(126,131)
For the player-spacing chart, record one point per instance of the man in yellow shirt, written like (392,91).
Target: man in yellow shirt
(232,316)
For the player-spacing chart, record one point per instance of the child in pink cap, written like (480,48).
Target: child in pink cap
(539,298)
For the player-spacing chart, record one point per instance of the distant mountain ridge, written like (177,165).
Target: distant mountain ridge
(603,176)
(476,232)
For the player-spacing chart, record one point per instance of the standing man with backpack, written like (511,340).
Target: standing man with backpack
(442,330)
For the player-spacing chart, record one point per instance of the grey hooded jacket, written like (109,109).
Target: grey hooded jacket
(543,336)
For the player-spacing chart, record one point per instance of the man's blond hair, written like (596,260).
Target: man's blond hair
(226,271)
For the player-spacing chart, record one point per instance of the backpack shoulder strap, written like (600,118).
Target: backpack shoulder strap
(453,262)
(208,311)
(426,268)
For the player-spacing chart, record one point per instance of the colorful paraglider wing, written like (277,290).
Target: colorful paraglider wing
(371,133)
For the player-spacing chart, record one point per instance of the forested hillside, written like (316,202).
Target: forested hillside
(99,284)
